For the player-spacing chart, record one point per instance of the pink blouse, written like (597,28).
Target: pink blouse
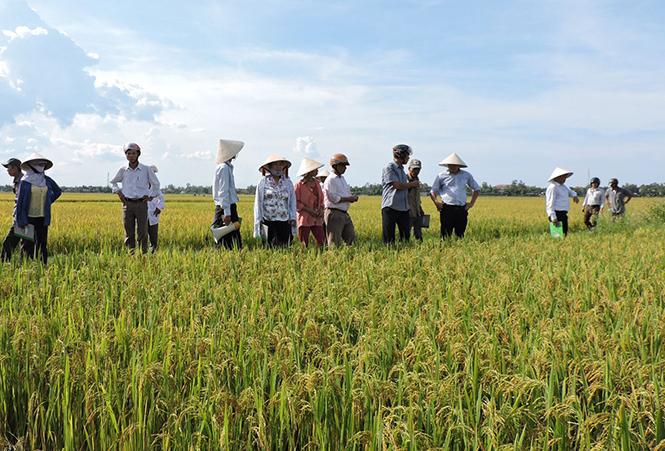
(306,196)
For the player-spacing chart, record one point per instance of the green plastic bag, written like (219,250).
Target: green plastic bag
(556,230)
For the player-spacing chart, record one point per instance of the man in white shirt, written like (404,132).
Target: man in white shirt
(155,207)
(139,185)
(557,198)
(337,199)
(451,186)
(224,192)
(593,203)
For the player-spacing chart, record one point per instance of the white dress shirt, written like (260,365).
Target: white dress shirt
(557,198)
(224,187)
(136,183)
(156,202)
(452,187)
(334,188)
(594,197)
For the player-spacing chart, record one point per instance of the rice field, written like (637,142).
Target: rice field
(506,340)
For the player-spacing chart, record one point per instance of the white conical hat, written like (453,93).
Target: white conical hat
(453,159)
(307,166)
(227,149)
(324,173)
(558,172)
(36,158)
(272,159)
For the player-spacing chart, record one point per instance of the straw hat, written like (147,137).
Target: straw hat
(36,158)
(307,166)
(227,149)
(559,172)
(324,173)
(272,159)
(453,159)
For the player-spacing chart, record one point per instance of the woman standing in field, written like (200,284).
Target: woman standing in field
(557,202)
(224,192)
(593,204)
(275,203)
(36,193)
(309,202)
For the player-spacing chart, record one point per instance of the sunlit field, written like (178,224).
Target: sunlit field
(506,340)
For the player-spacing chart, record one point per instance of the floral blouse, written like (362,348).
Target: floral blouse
(275,201)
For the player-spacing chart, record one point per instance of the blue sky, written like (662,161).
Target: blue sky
(515,87)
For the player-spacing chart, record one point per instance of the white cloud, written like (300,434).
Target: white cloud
(198,155)
(306,146)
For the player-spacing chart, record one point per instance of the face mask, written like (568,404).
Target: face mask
(37,169)
(275,172)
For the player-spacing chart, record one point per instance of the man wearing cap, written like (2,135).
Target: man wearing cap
(593,203)
(13,166)
(139,185)
(337,199)
(557,198)
(416,212)
(617,198)
(451,186)
(224,192)
(394,199)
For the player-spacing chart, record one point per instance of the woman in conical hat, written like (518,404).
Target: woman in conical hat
(275,203)
(309,203)
(451,186)
(36,193)
(557,202)
(224,192)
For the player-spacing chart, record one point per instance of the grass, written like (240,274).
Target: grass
(505,340)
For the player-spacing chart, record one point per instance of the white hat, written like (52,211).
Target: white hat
(227,149)
(36,158)
(154,168)
(559,172)
(273,159)
(324,173)
(453,159)
(307,166)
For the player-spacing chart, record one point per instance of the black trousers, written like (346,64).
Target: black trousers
(392,218)
(29,248)
(453,218)
(591,211)
(279,233)
(8,246)
(233,239)
(562,216)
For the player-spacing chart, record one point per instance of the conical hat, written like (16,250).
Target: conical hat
(558,172)
(324,173)
(272,159)
(307,166)
(227,149)
(36,158)
(453,159)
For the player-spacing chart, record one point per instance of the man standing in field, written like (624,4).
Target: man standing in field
(394,199)
(451,186)
(416,212)
(13,166)
(337,199)
(617,198)
(224,192)
(139,185)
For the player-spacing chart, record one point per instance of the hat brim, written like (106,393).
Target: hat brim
(25,165)
(274,159)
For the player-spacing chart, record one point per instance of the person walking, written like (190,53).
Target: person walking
(394,198)
(617,198)
(451,186)
(224,192)
(36,193)
(139,185)
(155,207)
(275,203)
(338,198)
(13,166)
(309,203)
(416,212)
(557,198)
(593,203)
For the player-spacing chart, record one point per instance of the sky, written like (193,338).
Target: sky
(515,87)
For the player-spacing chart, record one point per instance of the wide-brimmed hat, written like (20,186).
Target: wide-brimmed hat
(273,159)
(36,158)
(323,173)
(558,172)
(415,164)
(227,149)
(307,166)
(453,159)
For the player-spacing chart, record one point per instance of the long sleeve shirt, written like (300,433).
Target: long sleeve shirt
(309,197)
(224,187)
(334,188)
(452,187)
(137,182)
(557,198)
(274,201)
(156,202)
(415,203)
(594,197)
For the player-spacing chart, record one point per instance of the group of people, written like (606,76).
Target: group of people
(317,205)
